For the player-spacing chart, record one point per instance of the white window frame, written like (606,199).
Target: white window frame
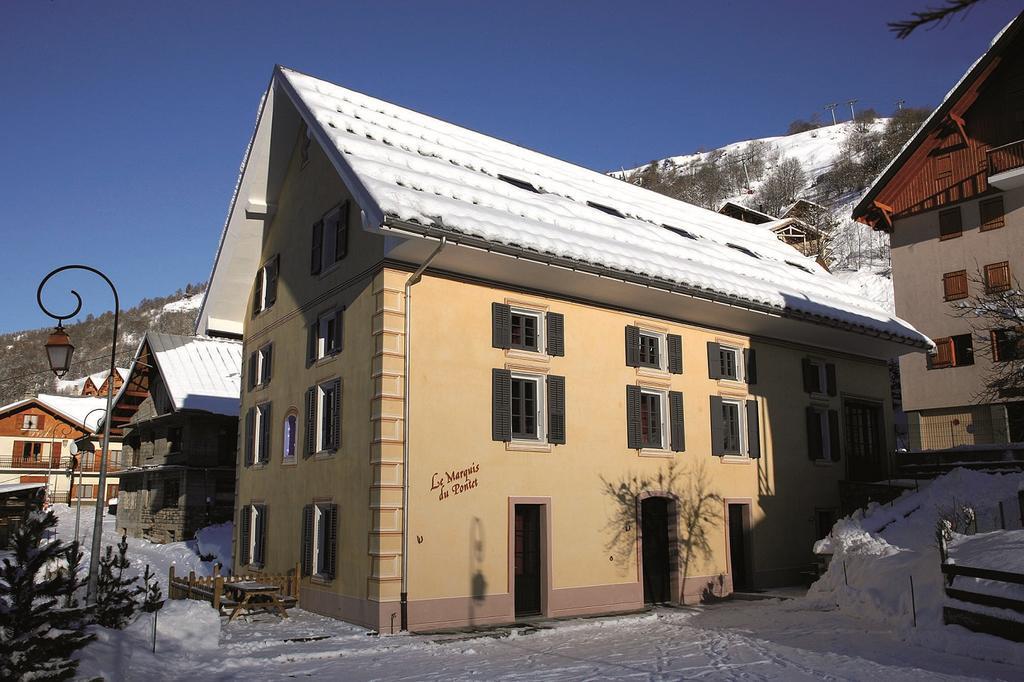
(826,435)
(323,323)
(259,414)
(254,512)
(261,358)
(663,404)
(662,349)
(329,239)
(741,425)
(822,377)
(541,337)
(319,540)
(737,354)
(26,425)
(541,416)
(262,274)
(321,413)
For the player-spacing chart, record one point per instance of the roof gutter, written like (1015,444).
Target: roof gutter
(429,231)
(405,429)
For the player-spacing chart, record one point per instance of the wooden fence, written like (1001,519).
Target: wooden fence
(983,622)
(211,588)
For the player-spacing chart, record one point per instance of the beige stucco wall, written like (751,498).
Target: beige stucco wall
(919,260)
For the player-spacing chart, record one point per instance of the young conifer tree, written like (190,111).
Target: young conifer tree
(41,624)
(116,595)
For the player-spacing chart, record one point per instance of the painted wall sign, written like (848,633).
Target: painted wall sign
(454,482)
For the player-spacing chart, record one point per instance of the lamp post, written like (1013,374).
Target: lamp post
(58,353)
(81,470)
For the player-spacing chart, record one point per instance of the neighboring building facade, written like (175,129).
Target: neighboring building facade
(35,437)
(579,437)
(101,382)
(953,203)
(178,412)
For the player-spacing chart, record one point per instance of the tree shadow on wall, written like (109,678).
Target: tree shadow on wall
(698,512)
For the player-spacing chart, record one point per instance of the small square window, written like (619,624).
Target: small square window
(652,420)
(950,224)
(997,277)
(954,285)
(525,330)
(729,362)
(30,422)
(650,350)
(992,216)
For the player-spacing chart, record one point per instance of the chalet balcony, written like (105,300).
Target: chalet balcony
(1006,165)
(45,464)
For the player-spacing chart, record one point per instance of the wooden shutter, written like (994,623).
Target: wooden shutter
(954,285)
(556,334)
(753,430)
(992,215)
(812,379)
(310,444)
(950,224)
(750,365)
(943,353)
(317,254)
(501,325)
(260,531)
(339,318)
(556,409)
(830,379)
(634,435)
(244,521)
(265,422)
(717,427)
(273,267)
(675,353)
(268,368)
(257,294)
(331,560)
(833,434)
(341,234)
(249,423)
(311,342)
(501,405)
(307,540)
(677,428)
(814,435)
(336,417)
(252,370)
(714,360)
(632,346)
(997,277)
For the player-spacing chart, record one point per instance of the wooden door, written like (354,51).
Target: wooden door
(655,544)
(527,559)
(865,444)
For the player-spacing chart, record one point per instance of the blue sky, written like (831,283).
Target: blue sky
(124,122)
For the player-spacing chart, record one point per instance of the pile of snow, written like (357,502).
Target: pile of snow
(875,553)
(193,302)
(873,283)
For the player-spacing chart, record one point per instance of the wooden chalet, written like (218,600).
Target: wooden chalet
(745,213)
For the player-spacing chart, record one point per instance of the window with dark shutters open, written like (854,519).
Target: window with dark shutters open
(272,268)
(262,455)
(677,428)
(675,353)
(717,427)
(309,446)
(501,405)
(634,431)
(632,346)
(753,430)
(250,420)
(714,361)
(259,530)
(819,377)
(244,534)
(330,560)
(501,325)
(555,334)
(341,233)
(556,409)
(823,442)
(307,540)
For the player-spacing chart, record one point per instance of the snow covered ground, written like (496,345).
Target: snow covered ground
(797,639)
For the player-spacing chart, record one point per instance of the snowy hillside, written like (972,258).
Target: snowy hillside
(856,254)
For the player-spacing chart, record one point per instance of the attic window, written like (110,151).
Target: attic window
(743,249)
(607,209)
(521,184)
(680,231)
(800,267)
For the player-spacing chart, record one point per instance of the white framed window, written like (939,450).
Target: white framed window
(328,338)
(260,362)
(730,360)
(819,434)
(257,534)
(321,540)
(30,422)
(265,287)
(324,419)
(654,419)
(652,349)
(528,393)
(527,330)
(330,239)
(257,432)
(733,428)
(818,380)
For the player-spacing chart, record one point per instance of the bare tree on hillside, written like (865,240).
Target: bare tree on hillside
(781,187)
(996,317)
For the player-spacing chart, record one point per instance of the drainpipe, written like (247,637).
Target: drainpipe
(405,431)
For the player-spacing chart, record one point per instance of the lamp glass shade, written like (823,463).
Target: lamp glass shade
(58,351)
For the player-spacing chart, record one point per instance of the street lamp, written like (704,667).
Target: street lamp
(59,350)
(58,353)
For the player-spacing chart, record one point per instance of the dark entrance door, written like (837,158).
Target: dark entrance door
(527,559)
(865,446)
(738,547)
(655,543)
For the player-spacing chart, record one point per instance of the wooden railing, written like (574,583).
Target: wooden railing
(44,462)
(1006,157)
(977,621)
(211,588)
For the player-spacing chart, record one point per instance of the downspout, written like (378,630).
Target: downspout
(405,431)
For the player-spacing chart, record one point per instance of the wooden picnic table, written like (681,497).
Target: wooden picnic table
(269,597)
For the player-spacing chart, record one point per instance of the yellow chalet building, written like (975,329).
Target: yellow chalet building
(481,383)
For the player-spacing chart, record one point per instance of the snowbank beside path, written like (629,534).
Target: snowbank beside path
(875,553)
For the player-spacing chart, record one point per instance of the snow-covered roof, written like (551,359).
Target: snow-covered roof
(413,173)
(745,209)
(83,411)
(199,372)
(15,487)
(999,41)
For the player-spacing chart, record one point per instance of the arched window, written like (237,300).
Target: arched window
(291,423)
